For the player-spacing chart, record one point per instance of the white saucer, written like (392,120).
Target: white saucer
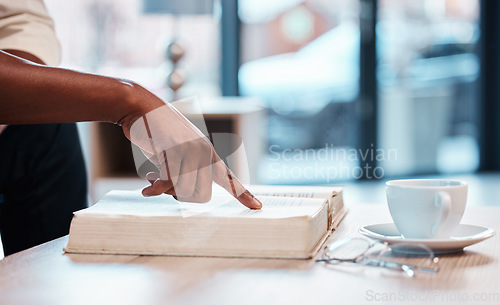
(464,235)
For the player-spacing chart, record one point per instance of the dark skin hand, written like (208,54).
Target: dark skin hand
(31,93)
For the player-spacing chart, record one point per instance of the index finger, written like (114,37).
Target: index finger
(225,178)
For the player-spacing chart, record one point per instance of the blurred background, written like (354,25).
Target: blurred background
(345,92)
(321,91)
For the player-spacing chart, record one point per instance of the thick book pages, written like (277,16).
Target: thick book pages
(293,223)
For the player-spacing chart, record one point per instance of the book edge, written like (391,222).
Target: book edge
(331,226)
(307,255)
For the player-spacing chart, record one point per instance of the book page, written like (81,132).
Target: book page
(301,191)
(132,203)
(272,207)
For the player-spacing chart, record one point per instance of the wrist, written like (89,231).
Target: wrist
(137,102)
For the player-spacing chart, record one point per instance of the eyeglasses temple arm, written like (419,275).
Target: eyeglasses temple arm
(403,267)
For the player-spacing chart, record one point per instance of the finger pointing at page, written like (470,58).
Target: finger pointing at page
(185,158)
(225,178)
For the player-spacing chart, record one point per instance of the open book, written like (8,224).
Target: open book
(293,223)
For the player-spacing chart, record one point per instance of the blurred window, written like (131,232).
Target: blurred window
(428,85)
(301,58)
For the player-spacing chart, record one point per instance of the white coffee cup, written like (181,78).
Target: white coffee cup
(426,208)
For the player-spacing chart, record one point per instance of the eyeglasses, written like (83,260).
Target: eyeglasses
(405,257)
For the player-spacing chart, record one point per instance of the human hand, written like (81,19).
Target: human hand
(185,158)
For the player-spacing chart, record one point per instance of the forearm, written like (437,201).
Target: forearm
(31,93)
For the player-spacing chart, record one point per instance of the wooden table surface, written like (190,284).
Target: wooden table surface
(45,275)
